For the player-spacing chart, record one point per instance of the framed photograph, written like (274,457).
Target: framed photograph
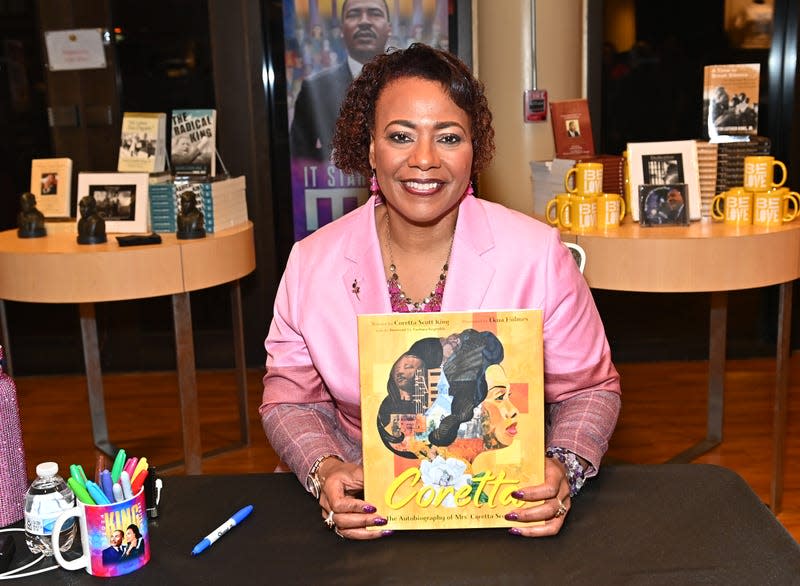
(122,199)
(663,205)
(666,163)
(51,183)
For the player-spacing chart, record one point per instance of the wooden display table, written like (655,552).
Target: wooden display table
(55,269)
(706,257)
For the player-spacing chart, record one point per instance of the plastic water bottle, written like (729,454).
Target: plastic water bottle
(47,497)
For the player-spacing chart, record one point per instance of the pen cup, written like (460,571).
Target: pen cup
(114,538)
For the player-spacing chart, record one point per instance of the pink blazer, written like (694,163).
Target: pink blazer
(501,259)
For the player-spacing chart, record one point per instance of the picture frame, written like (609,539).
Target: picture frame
(663,205)
(122,200)
(665,163)
(51,184)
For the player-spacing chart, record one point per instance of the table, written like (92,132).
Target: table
(660,524)
(55,269)
(707,257)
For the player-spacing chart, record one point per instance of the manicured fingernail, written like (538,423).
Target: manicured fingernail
(369,509)
(518,494)
(386,532)
(512,517)
(515,531)
(379,521)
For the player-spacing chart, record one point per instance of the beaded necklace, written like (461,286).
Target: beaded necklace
(399,301)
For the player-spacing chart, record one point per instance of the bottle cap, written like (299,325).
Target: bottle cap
(47,469)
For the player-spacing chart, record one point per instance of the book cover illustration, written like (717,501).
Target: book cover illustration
(143,142)
(730,101)
(452,408)
(663,205)
(51,184)
(193,146)
(572,129)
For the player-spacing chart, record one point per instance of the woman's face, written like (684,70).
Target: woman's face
(501,412)
(130,536)
(421,150)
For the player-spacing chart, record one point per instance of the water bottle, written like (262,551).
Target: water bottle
(47,497)
(13,475)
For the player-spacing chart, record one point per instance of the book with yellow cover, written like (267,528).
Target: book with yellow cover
(452,412)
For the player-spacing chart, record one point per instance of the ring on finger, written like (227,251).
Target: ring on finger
(562,509)
(329,520)
(336,530)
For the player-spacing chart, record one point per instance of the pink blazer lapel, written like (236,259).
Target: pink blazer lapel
(363,277)
(470,274)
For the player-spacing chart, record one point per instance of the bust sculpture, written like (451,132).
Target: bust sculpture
(190,219)
(91,226)
(30,221)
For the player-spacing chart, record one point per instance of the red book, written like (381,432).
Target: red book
(572,129)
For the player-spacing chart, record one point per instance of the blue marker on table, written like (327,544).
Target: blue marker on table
(237,518)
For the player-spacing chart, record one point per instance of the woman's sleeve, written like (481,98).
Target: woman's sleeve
(297,412)
(582,386)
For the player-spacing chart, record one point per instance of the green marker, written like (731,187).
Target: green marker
(80,492)
(119,464)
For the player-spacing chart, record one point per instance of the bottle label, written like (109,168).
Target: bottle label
(42,517)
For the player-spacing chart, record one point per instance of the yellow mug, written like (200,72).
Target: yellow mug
(610,210)
(735,206)
(555,205)
(759,173)
(774,207)
(587,179)
(580,214)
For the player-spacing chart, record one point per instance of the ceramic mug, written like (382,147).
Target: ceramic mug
(586,179)
(554,207)
(759,173)
(114,537)
(610,210)
(774,207)
(580,214)
(735,206)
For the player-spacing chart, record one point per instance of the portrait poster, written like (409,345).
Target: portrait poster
(453,415)
(121,199)
(323,46)
(51,184)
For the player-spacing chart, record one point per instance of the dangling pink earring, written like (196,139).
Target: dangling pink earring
(374,190)
(469,190)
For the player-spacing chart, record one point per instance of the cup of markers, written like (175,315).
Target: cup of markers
(112,514)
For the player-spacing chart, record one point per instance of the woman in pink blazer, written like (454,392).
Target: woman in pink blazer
(417,122)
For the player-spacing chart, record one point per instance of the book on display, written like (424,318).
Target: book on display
(143,142)
(452,410)
(193,145)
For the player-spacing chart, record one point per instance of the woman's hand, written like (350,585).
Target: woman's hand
(351,516)
(554,493)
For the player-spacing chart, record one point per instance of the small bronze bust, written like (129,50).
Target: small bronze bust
(190,219)
(91,226)
(30,221)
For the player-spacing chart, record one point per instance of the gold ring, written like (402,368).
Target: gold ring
(329,520)
(562,510)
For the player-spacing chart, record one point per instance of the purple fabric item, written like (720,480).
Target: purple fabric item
(13,476)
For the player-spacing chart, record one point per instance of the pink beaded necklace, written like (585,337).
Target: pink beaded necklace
(399,301)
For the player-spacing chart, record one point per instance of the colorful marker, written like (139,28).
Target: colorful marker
(138,482)
(209,539)
(125,481)
(77,473)
(130,466)
(96,493)
(118,494)
(107,485)
(80,491)
(140,465)
(119,463)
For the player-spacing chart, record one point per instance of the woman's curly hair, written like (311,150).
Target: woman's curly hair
(356,121)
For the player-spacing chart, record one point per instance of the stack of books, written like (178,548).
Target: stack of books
(707,169)
(223,203)
(730,160)
(548,181)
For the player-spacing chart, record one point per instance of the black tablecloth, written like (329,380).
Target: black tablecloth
(664,524)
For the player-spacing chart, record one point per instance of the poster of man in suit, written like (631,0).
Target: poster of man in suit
(327,43)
